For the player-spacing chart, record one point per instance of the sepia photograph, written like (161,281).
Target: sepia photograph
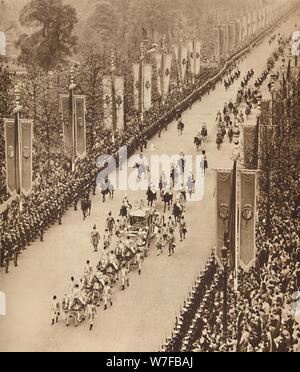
(150,179)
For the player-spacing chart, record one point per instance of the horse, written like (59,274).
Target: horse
(198,142)
(177,211)
(86,206)
(167,198)
(180,127)
(151,196)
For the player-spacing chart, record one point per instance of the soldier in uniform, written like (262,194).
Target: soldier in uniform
(107,295)
(124,277)
(91,312)
(95,238)
(55,310)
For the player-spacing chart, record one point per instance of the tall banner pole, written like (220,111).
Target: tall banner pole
(163,68)
(142,82)
(72,115)
(113,91)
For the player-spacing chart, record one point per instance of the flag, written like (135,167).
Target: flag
(80,126)
(198,57)
(11,156)
(107,102)
(119,84)
(244,28)
(232,223)
(136,85)
(181,53)
(147,86)
(65,107)
(249,134)
(191,57)
(222,208)
(247,219)
(26,131)
(265,118)
(159,73)
(163,73)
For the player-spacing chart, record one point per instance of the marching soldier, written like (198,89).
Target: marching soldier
(55,309)
(124,277)
(107,295)
(91,312)
(95,238)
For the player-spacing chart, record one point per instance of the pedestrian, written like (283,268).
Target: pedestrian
(91,312)
(171,244)
(182,228)
(55,309)
(124,277)
(95,238)
(107,295)
(159,243)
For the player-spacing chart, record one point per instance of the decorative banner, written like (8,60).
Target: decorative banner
(80,126)
(190,46)
(238,32)
(244,28)
(184,60)
(231,36)
(159,72)
(223,208)
(67,124)
(107,102)
(119,86)
(163,79)
(11,148)
(26,131)
(265,118)
(249,134)
(136,86)
(249,24)
(248,219)
(217,43)
(198,57)
(147,86)
(254,21)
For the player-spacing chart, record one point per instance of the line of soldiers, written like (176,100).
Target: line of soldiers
(39,213)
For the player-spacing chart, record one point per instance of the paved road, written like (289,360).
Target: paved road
(143,315)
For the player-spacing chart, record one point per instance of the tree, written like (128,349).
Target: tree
(53,41)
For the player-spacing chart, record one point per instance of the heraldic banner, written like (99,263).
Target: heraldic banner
(159,72)
(11,148)
(198,57)
(248,219)
(136,85)
(147,86)
(119,85)
(107,102)
(26,130)
(249,145)
(80,126)
(67,124)
(224,181)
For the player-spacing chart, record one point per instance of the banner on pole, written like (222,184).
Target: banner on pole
(198,57)
(136,85)
(249,134)
(26,132)
(80,126)
(224,180)
(119,86)
(67,124)
(11,146)
(147,86)
(248,219)
(159,73)
(107,102)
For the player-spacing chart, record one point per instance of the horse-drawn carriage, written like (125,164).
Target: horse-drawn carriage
(141,228)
